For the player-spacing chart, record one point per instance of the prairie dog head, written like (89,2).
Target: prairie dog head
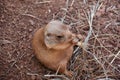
(57,34)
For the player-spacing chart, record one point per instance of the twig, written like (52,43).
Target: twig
(105,72)
(42,2)
(101,43)
(114,68)
(107,56)
(57,70)
(85,1)
(107,25)
(31,16)
(101,35)
(115,57)
(60,76)
(72,2)
(66,9)
(32,74)
(75,50)
(89,17)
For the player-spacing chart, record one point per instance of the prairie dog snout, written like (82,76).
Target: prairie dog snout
(53,46)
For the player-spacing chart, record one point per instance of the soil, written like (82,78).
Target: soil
(19,19)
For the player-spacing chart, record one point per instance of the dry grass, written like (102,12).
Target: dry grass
(98,23)
(96,60)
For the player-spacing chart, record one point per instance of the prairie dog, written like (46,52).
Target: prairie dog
(53,46)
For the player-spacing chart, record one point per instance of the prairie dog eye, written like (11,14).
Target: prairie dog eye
(48,35)
(60,37)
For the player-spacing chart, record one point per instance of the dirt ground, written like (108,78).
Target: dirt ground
(19,19)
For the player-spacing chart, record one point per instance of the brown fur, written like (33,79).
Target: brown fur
(57,56)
